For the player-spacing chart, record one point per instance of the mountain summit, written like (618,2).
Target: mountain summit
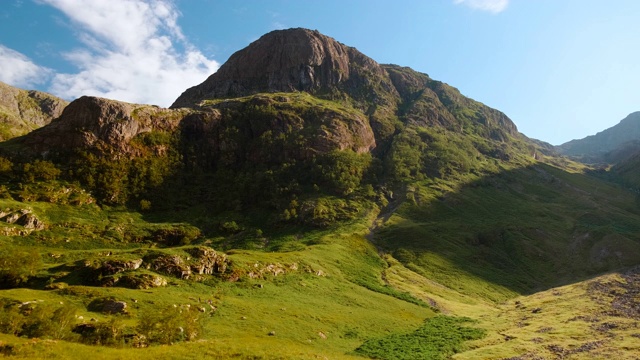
(390,96)
(283,61)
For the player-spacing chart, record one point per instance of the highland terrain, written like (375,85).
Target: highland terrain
(306,202)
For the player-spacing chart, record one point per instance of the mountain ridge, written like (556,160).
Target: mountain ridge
(595,148)
(24,110)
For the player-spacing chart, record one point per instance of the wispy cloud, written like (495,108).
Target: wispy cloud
(19,70)
(277,25)
(133,50)
(494,6)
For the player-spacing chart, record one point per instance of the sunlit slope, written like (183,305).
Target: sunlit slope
(514,232)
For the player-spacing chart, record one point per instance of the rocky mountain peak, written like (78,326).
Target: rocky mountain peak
(282,61)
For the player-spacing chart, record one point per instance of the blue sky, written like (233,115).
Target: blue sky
(560,69)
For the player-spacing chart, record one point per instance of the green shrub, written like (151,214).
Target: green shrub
(17,265)
(39,170)
(173,324)
(37,320)
(109,333)
(342,170)
(177,235)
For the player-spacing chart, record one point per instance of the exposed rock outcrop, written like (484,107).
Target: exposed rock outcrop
(23,217)
(91,122)
(114,307)
(284,61)
(305,60)
(142,281)
(171,265)
(208,261)
(111,267)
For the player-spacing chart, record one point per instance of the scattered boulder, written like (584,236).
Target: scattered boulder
(108,306)
(208,261)
(30,221)
(114,307)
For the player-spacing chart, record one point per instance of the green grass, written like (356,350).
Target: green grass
(514,232)
(330,299)
(439,338)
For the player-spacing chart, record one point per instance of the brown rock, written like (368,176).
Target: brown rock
(97,122)
(172,265)
(114,307)
(283,61)
(111,267)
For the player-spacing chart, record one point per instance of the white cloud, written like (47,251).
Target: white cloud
(277,25)
(494,6)
(18,70)
(133,51)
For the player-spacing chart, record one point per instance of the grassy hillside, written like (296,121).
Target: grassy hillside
(518,231)
(466,246)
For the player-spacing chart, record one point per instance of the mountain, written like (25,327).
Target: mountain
(293,111)
(305,60)
(606,146)
(306,201)
(22,111)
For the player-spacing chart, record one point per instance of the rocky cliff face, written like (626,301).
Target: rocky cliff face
(289,96)
(619,139)
(22,111)
(304,60)
(283,61)
(91,122)
(262,128)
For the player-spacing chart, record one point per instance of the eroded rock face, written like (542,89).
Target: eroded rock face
(283,61)
(102,123)
(111,267)
(319,129)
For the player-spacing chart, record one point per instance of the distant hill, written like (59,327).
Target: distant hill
(610,145)
(22,111)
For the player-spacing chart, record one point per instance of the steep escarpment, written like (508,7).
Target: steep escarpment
(285,61)
(391,97)
(22,111)
(91,122)
(295,112)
